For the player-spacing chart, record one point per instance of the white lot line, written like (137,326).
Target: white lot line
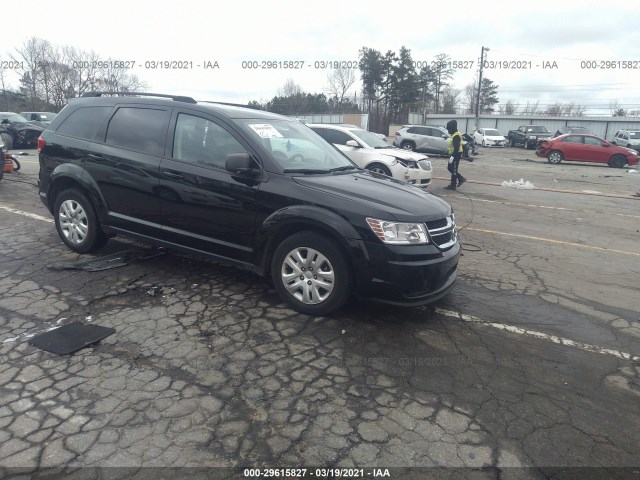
(26,214)
(544,206)
(544,336)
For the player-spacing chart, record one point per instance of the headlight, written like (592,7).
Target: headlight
(396,233)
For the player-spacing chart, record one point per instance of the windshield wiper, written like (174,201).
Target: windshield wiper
(304,170)
(388,146)
(339,169)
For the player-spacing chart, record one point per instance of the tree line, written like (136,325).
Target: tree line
(386,86)
(50,75)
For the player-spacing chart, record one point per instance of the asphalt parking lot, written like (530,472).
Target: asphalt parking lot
(530,368)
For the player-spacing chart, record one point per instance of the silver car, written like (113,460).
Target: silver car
(423,138)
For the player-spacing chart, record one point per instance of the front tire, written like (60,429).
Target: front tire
(555,157)
(76,222)
(617,161)
(408,146)
(379,168)
(311,274)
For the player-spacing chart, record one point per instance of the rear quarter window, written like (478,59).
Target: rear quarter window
(84,122)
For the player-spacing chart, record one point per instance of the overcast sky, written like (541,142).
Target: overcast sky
(230,32)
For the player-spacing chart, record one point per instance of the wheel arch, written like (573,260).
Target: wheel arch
(290,220)
(68,175)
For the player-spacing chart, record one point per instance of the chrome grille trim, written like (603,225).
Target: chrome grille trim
(443,236)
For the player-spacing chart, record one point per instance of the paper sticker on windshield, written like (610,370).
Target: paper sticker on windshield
(265,130)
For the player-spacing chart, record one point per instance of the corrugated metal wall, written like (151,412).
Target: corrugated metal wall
(361,120)
(604,127)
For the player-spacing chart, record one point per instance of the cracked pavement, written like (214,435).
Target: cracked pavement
(208,368)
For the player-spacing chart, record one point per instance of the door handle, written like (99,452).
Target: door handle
(94,156)
(172,174)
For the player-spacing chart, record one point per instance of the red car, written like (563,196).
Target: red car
(586,148)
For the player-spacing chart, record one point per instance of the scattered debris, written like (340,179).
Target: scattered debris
(344,331)
(592,191)
(633,170)
(154,291)
(107,262)
(521,184)
(88,318)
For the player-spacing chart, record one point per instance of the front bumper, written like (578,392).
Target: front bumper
(408,275)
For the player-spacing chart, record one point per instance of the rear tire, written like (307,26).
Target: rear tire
(318,292)
(617,161)
(555,157)
(379,168)
(76,222)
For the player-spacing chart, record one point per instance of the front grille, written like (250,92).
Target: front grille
(436,224)
(443,232)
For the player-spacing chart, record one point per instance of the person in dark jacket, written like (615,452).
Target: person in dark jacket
(455,154)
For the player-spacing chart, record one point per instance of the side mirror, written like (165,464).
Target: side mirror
(606,144)
(445,136)
(353,143)
(241,163)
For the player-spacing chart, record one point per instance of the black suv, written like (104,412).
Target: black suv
(257,190)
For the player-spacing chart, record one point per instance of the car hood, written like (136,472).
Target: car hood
(400,153)
(405,202)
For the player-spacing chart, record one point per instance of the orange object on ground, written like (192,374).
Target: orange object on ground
(8,165)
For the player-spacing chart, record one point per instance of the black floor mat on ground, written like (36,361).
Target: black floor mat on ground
(71,337)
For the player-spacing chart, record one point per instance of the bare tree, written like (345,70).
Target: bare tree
(289,89)
(511,108)
(86,75)
(28,57)
(614,106)
(442,74)
(113,79)
(470,94)
(450,100)
(530,108)
(340,81)
(3,86)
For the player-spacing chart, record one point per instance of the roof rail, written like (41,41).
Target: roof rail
(176,98)
(225,103)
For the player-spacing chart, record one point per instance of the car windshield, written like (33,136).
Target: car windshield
(492,133)
(297,148)
(12,117)
(370,139)
(537,129)
(634,134)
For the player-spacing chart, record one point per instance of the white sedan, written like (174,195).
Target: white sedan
(489,137)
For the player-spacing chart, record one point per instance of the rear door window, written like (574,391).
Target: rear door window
(139,129)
